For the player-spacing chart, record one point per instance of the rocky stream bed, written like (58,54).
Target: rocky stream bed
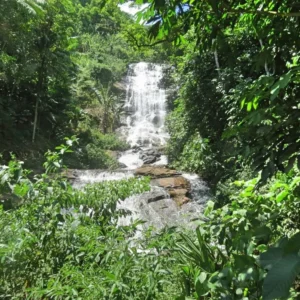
(175,198)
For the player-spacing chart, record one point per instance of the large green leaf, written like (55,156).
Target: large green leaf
(281,277)
(283,264)
(271,257)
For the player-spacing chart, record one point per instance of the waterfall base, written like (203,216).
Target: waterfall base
(175,199)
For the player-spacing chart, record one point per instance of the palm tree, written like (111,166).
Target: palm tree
(112,107)
(33,6)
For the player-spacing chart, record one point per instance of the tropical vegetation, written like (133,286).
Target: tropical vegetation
(234,113)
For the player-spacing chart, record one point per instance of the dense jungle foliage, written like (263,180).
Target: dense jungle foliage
(234,118)
(60,62)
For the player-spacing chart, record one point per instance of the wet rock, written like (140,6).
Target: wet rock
(129,110)
(155,172)
(179,196)
(151,152)
(161,149)
(70,174)
(155,194)
(156,120)
(149,159)
(149,156)
(136,149)
(177,182)
(120,86)
(177,187)
(121,165)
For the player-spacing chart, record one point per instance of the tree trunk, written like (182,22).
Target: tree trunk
(35,119)
(40,93)
(266,65)
(216,58)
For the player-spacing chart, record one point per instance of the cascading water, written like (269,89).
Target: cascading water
(144,130)
(145,108)
(146,99)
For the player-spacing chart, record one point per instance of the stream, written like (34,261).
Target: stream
(175,198)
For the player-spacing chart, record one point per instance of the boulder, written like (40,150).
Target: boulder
(155,172)
(155,194)
(170,180)
(149,159)
(149,156)
(179,196)
(177,182)
(152,152)
(156,120)
(70,174)
(177,187)
(136,149)
(121,165)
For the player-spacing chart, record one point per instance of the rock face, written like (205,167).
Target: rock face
(177,186)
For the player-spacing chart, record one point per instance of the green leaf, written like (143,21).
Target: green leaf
(293,245)
(281,277)
(239,291)
(281,196)
(271,257)
(202,277)
(209,208)
(280,84)
(249,106)
(56,164)
(21,190)
(201,287)
(275,90)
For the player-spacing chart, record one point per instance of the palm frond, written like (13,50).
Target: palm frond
(33,6)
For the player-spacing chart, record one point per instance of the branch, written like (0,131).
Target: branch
(262,12)
(146,45)
(266,65)
(227,9)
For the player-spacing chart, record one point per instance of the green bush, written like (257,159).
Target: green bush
(96,152)
(61,243)
(108,141)
(98,159)
(257,231)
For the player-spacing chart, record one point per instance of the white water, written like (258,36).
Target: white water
(145,106)
(130,7)
(84,177)
(200,192)
(146,102)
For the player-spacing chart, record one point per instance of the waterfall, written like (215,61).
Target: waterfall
(145,105)
(145,112)
(144,129)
